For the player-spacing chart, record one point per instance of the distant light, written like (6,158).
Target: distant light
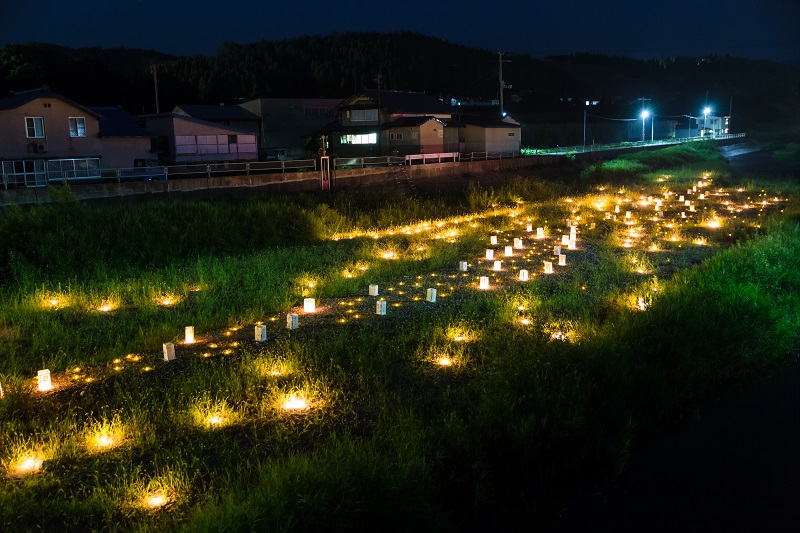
(645,114)
(706,111)
(295,403)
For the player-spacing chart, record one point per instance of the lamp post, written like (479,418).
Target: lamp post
(645,114)
(706,111)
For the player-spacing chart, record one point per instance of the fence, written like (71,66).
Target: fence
(26,178)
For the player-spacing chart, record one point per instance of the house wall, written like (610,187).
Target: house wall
(502,139)
(474,138)
(245,149)
(404,146)
(431,137)
(290,123)
(119,152)
(14,144)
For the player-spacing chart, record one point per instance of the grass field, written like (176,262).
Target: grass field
(678,283)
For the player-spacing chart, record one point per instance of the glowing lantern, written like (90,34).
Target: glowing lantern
(462,266)
(497,266)
(691,208)
(294,403)
(292,321)
(529,227)
(616,208)
(493,239)
(169,351)
(373,290)
(680,198)
(445,361)
(571,245)
(261,333)
(564,240)
(489,254)
(627,215)
(540,233)
(483,283)
(43,380)
(518,244)
(523,275)
(556,250)
(380,307)
(309,305)
(548,267)
(188,334)
(430,295)
(509,251)
(562,260)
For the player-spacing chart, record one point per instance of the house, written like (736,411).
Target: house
(45,136)
(183,139)
(292,124)
(380,123)
(483,134)
(233,116)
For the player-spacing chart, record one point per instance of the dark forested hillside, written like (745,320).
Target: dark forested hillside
(760,92)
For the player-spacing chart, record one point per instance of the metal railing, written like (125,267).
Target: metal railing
(579,149)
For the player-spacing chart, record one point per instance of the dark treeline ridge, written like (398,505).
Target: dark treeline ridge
(761,93)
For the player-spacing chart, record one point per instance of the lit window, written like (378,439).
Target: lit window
(34,127)
(364,138)
(77,127)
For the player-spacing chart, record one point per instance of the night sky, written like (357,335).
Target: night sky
(765,29)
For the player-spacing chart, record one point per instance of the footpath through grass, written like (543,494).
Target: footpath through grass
(467,413)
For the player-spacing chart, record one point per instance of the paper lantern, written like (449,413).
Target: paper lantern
(292,321)
(564,240)
(380,307)
(509,251)
(523,275)
(169,351)
(540,233)
(548,267)
(188,334)
(484,282)
(497,266)
(309,305)
(529,227)
(556,250)
(562,260)
(43,380)
(261,333)
(373,290)
(493,239)
(518,244)
(489,254)
(430,295)
(462,266)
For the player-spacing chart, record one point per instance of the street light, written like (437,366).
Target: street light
(645,114)
(706,111)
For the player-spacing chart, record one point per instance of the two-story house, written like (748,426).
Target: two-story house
(45,136)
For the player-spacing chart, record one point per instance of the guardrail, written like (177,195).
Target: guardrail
(210,170)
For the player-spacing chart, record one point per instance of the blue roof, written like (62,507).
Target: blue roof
(116,122)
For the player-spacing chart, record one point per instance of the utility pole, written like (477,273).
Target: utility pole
(154,72)
(502,83)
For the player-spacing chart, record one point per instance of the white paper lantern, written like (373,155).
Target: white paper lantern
(523,275)
(564,240)
(188,334)
(380,307)
(373,290)
(562,260)
(509,251)
(548,267)
(462,266)
(493,239)
(169,351)
(43,380)
(556,250)
(489,254)
(529,227)
(484,282)
(260,333)
(309,305)
(518,244)
(430,295)
(292,321)
(540,233)
(497,266)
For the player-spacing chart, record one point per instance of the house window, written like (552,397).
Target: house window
(364,138)
(512,134)
(414,135)
(364,115)
(395,136)
(34,127)
(77,127)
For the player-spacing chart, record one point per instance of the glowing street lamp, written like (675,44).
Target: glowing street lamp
(645,114)
(706,111)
